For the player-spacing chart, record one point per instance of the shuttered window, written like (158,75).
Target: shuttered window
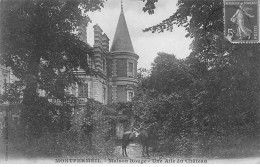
(83,90)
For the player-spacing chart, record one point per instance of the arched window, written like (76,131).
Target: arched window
(130,92)
(130,95)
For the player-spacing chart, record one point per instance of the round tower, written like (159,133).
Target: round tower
(123,64)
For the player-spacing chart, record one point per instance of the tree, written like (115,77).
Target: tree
(168,74)
(165,100)
(225,76)
(39,41)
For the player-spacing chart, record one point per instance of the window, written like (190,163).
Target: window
(131,67)
(90,62)
(15,120)
(83,90)
(130,96)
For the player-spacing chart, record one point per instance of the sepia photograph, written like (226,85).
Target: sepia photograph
(129,82)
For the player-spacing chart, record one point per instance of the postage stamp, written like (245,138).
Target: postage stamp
(241,19)
(74,91)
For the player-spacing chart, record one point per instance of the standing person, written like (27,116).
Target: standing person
(239,18)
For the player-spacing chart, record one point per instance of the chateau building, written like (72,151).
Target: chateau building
(5,78)
(117,68)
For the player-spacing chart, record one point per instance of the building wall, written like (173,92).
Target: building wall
(6,76)
(115,67)
(109,67)
(121,93)
(109,94)
(121,67)
(135,68)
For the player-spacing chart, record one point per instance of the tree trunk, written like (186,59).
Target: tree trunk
(30,92)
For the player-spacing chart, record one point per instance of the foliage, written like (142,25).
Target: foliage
(142,78)
(189,103)
(149,6)
(174,117)
(124,107)
(218,82)
(167,71)
(92,131)
(39,41)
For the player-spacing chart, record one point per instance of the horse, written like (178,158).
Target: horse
(146,137)
(128,136)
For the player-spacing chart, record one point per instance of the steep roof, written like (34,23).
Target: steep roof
(122,41)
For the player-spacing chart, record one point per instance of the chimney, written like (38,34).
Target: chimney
(97,36)
(83,33)
(105,42)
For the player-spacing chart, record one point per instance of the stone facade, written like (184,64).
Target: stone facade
(117,69)
(6,78)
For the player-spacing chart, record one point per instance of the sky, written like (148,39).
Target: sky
(146,44)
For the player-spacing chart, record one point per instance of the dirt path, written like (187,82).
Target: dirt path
(135,152)
(134,156)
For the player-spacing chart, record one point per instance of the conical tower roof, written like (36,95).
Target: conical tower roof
(122,41)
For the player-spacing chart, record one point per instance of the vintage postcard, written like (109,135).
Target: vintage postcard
(242,20)
(129,82)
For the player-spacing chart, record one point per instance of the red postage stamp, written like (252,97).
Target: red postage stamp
(241,18)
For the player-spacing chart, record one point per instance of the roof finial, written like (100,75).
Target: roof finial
(122,5)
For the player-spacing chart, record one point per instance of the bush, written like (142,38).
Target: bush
(92,132)
(188,130)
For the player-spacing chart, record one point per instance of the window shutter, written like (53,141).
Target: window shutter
(85,90)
